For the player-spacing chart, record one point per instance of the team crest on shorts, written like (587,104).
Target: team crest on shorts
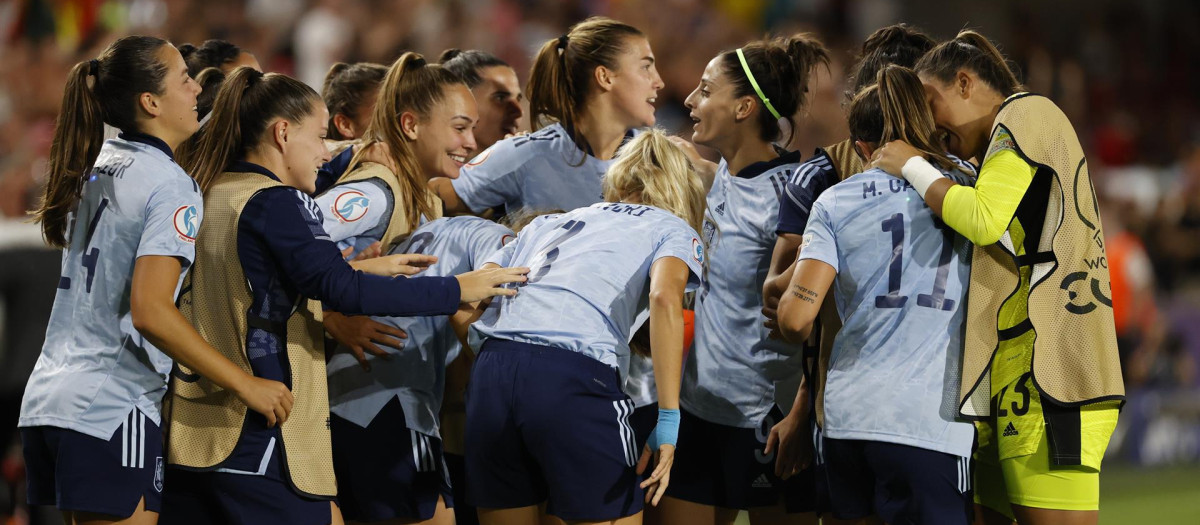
(351,206)
(187,223)
(159,472)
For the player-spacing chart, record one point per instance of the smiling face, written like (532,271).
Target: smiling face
(498,98)
(177,117)
(712,105)
(635,83)
(304,149)
(446,139)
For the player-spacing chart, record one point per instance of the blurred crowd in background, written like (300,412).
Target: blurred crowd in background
(1126,73)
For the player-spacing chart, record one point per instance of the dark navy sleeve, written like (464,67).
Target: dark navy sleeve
(289,224)
(331,171)
(801,191)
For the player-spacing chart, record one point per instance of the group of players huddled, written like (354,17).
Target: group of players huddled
(284,306)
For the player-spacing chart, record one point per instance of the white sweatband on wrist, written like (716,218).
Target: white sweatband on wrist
(920,173)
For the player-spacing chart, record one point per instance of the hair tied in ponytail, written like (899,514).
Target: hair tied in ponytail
(94,68)
(563,40)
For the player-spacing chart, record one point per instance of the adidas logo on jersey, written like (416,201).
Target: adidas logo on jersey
(761,482)
(1010,430)
(721,209)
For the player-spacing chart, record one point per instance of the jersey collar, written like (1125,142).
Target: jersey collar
(241,166)
(758,168)
(149,140)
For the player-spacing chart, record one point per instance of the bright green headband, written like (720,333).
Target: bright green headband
(750,76)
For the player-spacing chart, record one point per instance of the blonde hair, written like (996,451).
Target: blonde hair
(411,84)
(660,173)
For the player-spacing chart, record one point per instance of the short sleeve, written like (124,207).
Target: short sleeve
(486,241)
(172,220)
(683,243)
(354,209)
(808,183)
(820,240)
(492,178)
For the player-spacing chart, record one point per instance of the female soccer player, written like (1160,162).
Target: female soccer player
(1040,368)
(728,395)
(349,92)
(264,263)
(387,440)
(547,421)
(126,217)
(892,445)
(425,115)
(594,84)
(899,44)
(496,89)
(221,54)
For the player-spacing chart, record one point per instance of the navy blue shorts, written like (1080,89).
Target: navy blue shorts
(202,498)
(79,473)
(550,425)
(724,466)
(386,471)
(464,513)
(899,483)
(808,490)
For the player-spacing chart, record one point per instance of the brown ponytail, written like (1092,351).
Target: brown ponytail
(560,79)
(247,102)
(899,44)
(974,52)
(346,88)
(412,85)
(782,67)
(894,108)
(126,69)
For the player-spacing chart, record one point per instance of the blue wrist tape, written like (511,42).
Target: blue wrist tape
(667,431)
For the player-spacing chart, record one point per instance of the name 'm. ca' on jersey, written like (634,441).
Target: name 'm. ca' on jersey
(416,374)
(589,277)
(95,367)
(900,290)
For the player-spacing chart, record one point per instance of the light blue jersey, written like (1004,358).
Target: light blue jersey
(900,291)
(94,366)
(541,171)
(356,213)
(416,374)
(730,375)
(589,278)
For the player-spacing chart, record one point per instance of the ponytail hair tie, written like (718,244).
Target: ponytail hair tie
(562,41)
(94,68)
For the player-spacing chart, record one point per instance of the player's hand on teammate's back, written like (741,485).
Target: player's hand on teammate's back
(656,485)
(398,264)
(706,169)
(360,334)
(892,156)
(270,398)
(481,284)
(791,441)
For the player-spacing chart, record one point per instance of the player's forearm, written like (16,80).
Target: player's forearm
(169,331)
(451,204)
(666,346)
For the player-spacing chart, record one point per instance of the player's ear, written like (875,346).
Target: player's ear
(864,150)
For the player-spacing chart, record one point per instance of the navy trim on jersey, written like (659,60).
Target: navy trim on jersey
(149,140)
(243,166)
(587,148)
(758,168)
(329,173)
